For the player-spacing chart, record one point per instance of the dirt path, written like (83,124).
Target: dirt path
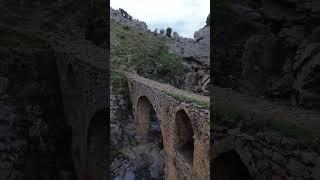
(307,119)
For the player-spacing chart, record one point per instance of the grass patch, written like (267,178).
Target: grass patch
(119,83)
(201,104)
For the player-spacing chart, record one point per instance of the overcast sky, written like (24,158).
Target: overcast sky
(183,16)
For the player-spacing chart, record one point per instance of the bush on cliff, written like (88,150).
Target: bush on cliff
(168,32)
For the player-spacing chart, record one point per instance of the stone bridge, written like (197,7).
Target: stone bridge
(254,138)
(184,117)
(83,72)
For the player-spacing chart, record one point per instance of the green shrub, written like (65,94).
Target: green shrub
(126,27)
(168,32)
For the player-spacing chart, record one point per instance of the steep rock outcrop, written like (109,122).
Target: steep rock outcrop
(197,48)
(196,52)
(124,19)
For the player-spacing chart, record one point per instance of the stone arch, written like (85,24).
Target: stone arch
(234,144)
(150,132)
(97,147)
(154,130)
(144,111)
(184,134)
(229,165)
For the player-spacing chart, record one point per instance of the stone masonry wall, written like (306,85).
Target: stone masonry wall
(267,155)
(166,108)
(83,80)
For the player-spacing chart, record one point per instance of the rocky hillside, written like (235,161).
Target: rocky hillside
(181,62)
(133,48)
(122,17)
(269,48)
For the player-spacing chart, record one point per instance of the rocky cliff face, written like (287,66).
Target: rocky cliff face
(269,48)
(196,52)
(125,19)
(196,49)
(35,141)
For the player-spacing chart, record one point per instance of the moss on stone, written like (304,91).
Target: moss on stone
(197,102)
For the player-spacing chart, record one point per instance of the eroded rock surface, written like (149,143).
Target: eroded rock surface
(28,149)
(269,49)
(196,52)
(125,20)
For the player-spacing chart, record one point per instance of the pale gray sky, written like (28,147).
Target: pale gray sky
(183,16)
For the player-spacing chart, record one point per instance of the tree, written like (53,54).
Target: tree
(168,32)
(155,32)
(161,31)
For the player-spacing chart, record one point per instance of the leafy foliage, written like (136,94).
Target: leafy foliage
(118,83)
(201,104)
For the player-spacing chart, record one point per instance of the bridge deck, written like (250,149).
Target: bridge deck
(176,93)
(229,99)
